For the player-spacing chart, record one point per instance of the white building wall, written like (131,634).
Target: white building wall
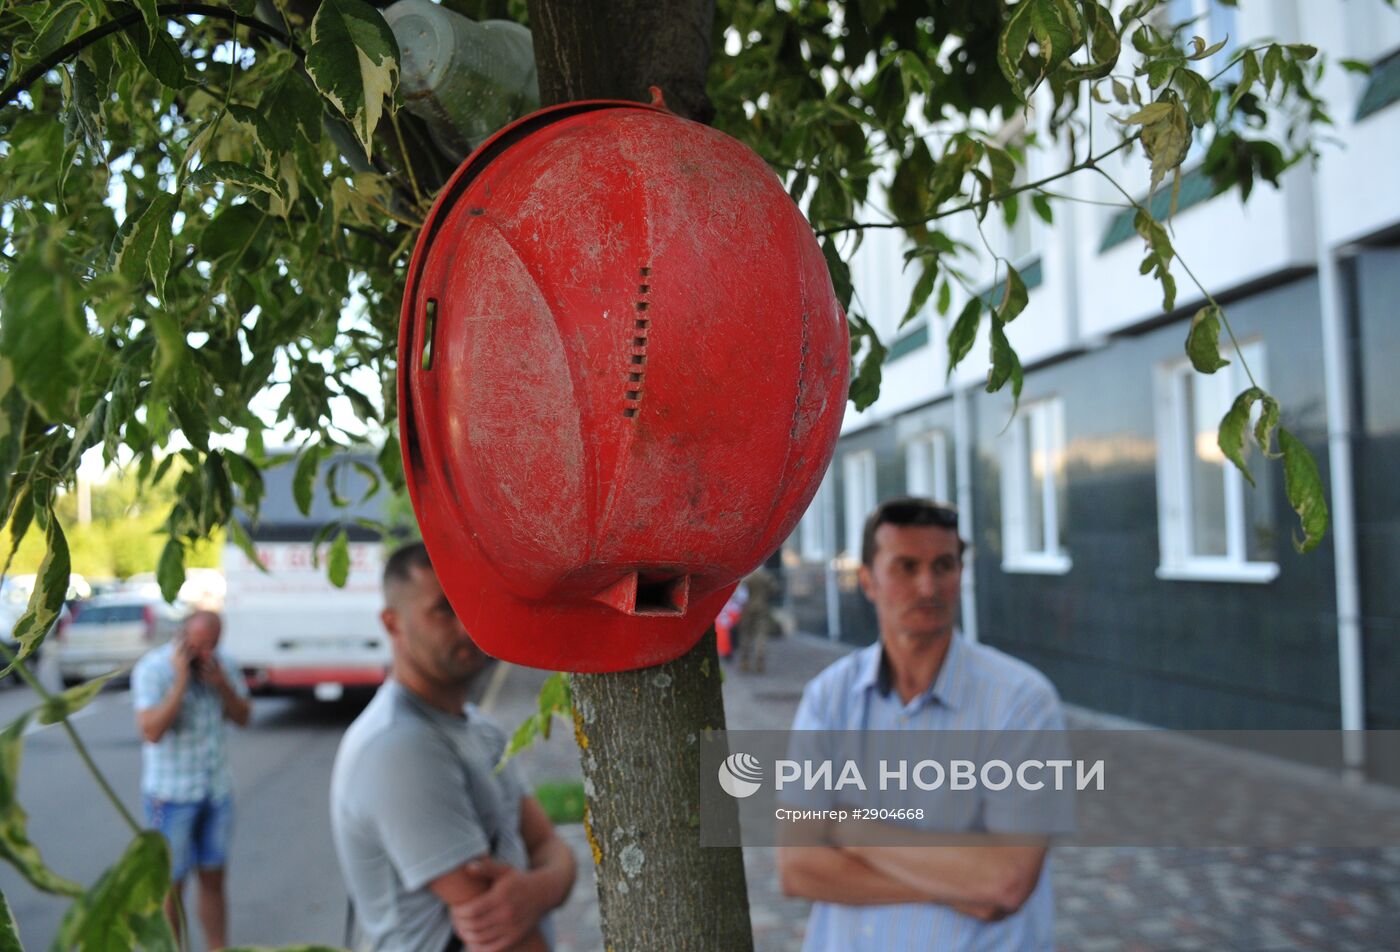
(1087,294)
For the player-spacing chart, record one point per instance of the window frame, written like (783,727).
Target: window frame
(1042,420)
(857,509)
(926,466)
(815,530)
(1175,450)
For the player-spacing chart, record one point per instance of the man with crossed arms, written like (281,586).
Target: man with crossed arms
(922,675)
(440,850)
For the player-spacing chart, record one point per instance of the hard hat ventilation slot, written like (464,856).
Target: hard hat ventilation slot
(638,357)
(429,331)
(661,595)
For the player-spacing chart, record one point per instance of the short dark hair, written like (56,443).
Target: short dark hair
(401,563)
(908,511)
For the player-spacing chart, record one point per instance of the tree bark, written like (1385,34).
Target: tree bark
(638,735)
(616,49)
(638,731)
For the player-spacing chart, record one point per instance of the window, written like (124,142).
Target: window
(1213,22)
(1212,525)
(1033,490)
(817,524)
(858,471)
(926,466)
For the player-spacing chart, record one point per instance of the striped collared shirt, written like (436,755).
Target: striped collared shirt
(190,761)
(978,688)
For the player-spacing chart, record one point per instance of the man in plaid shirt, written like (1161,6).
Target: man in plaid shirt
(183,691)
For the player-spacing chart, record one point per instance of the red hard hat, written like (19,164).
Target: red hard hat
(622,372)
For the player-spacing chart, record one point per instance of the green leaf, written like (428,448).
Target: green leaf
(523,736)
(390,461)
(353,60)
(1056,27)
(15,846)
(74,699)
(1003,167)
(46,601)
(150,16)
(1248,75)
(964,333)
(556,695)
(1203,340)
(1265,426)
(59,27)
(1302,51)
(249,479)
(1166,136)
(1303,485)
(234,173)
(1199,97)
(945,297)
(44,333)
(124,909)
(236,232)
(304,479)
(922,289)
(338,561)
(1011,47)
(9,937)
(1014,298)
(865,382)
(1105,43)
(14,412)
(161,56)
(1006,366)
(147,247)
(1041,204)
(170,570)
(1234,425)
(1273,62)
(239,536)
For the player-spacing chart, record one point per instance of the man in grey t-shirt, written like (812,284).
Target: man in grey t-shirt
(437,847)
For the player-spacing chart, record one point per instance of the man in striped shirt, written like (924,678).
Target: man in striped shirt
(923,675)
(183,691)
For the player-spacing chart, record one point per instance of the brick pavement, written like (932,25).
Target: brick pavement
(1134,899)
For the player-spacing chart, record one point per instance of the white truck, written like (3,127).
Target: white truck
(289,628)
(291,631)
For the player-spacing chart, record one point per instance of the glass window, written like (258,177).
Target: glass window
(926,467)
(1212,523)
(815,528)
(858,475)
(1033,490)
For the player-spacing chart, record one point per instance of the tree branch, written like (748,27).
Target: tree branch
(78,44)
(1089,163)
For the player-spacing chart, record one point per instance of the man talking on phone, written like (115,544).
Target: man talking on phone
(183,691)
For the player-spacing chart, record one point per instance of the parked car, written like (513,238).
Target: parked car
(15,593)
(112,631)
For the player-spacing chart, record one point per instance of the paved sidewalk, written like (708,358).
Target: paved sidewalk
(1133,899)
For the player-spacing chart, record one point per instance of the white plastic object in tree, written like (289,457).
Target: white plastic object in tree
(465,79)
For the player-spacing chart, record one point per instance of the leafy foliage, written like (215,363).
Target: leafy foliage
(896,115)
(15,846)
(555,697)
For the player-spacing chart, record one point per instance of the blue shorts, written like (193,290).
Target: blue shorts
(198,832)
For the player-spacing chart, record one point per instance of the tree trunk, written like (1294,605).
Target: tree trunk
(638,735)
(638,731)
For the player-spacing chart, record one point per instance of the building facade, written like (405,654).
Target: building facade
(1112,546)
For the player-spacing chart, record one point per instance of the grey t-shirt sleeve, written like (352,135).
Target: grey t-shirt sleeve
(411,787)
